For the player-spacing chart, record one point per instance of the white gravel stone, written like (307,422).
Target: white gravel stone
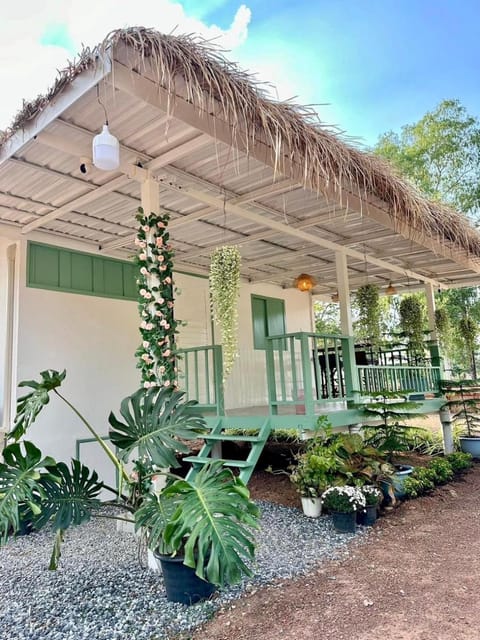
(102,592)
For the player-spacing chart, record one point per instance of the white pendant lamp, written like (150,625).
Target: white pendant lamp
(106,150)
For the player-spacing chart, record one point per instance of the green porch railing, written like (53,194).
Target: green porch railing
(305,370)
(201,377)
(395,378)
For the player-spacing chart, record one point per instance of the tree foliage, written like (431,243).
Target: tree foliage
(441,154)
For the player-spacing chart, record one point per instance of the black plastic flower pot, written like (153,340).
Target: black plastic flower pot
(344,522)
(368,517)
(181,583)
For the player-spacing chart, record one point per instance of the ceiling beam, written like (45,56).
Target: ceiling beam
(281,227)
(156,163)
(274,189)
(72,92)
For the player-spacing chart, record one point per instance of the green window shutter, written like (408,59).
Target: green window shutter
(275,317)
(268,317)
(44,266)
(129,280)
(59,269)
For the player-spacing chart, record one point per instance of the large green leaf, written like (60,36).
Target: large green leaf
(69,495)
(20,476)
(30,405)
(68,498)
(213,524)
(154,515)
(154,420)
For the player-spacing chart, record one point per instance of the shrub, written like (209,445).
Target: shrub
(459,461)
(442,469)
(421,481)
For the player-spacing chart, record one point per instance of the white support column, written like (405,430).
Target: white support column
(430,295)
(350,371)
(343,293)
(150,196)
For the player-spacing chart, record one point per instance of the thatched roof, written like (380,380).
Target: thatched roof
(323,159)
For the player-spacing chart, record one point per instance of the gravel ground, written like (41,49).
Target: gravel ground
(101,591)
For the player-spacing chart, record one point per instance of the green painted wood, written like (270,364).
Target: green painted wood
(307,373)
(198,460)
(268,319)
(205,455)
(58,269)
(197,367)
(230,438)
(350,370)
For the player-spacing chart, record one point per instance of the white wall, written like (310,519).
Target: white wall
(247,384)
(95,339)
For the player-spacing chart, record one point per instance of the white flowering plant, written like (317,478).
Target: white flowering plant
(156,353)
(344,499)
(373,495)
(224,280)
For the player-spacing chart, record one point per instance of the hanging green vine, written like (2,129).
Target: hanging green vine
(412,322)
(369,310)
(156,354)
(442,324)
(225,265)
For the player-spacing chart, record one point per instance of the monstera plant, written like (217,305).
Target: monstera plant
(209,518)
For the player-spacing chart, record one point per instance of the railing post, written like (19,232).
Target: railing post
(307,374)
(350,370)
(436,357)
(218,378)
(271,384)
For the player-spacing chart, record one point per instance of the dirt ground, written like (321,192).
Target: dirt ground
(416,577)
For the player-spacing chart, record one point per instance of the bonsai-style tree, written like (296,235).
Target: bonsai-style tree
(464,403)
(389,411)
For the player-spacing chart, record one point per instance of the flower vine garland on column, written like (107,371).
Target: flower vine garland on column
(156,354)
(225,288)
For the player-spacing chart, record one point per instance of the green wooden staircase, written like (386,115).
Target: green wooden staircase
(217,435)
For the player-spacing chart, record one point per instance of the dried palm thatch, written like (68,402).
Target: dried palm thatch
(297,142)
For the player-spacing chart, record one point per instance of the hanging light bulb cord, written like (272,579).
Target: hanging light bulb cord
(102,105)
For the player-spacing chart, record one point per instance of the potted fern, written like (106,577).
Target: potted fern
(207,519)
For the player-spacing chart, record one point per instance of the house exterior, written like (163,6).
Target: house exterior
(198,140)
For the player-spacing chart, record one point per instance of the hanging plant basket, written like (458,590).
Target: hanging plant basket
(224,291)
(368,302)
(412,321)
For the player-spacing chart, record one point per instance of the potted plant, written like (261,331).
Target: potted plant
(314,471)
(373,498)
(207,519)
(464,405)
(343,503)
(389,433)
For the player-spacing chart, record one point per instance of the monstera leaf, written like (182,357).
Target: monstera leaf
(68,498)
(154,419)
(69,495)
(213,524)
(153,516)
(20,486)
(30,405)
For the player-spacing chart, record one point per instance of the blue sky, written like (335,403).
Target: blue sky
(369,65)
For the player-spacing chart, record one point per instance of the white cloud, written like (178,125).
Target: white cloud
(28,68)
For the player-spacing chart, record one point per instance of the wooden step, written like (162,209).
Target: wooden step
(231,438)
(240,464)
